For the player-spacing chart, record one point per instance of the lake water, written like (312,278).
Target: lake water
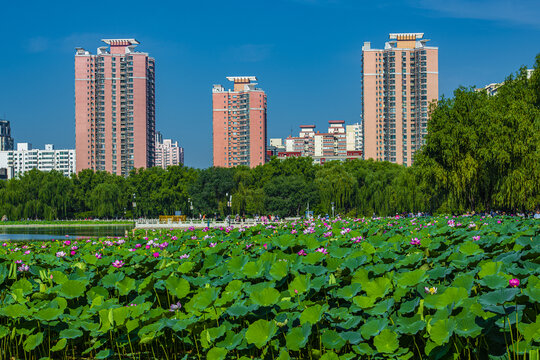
(60,232)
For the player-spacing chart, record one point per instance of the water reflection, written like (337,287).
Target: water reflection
(60,232)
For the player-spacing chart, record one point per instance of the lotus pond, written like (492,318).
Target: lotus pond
(427,288)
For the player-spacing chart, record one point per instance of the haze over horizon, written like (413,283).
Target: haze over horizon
(306,55)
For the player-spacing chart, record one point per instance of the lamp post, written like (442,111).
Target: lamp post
(229,205)
(190,207)
(134,206)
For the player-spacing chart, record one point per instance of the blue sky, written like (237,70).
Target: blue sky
(305,53)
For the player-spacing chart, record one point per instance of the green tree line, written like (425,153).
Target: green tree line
(481,153)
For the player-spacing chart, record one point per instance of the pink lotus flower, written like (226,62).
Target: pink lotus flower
(513,282)
(265,246)
(23,268)
(138,246)
(302,253)
(248,246)
(432,290)
(118,264)
(18,262)
(476,238)
(156,254)
(73,252)
(67,242)
(293,231)
(322,250)
(212,244)
(60,254)
(98,255)
(415,241)
(295,291)
(185,256)
(175,307)
(147,247)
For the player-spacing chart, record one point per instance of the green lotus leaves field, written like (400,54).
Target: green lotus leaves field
(400,288)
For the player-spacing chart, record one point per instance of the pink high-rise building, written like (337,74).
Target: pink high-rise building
(239,123)
(398,84)
(114,108)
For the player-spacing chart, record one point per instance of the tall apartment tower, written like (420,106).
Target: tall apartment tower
(398,84)
(114,108)
(239,123)
(6,141)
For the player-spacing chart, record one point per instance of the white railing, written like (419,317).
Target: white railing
(156,224)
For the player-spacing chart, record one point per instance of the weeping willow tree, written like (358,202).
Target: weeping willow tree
(483,152)
(336,185)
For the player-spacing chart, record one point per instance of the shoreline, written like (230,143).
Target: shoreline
(62,225)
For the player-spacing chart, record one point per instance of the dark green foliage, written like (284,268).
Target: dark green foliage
(483,152)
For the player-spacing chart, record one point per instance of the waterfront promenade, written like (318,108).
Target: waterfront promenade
(199,224)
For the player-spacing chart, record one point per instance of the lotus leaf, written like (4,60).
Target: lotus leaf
(216,353)
(377,288)
(441,330)
(177,286)
(72,289)
(299,285)
(33,341)
(312,314)
(60,345)
(410,278)
(125,286)
(260,332)
(279,270)
(373,327)
(298,337)
(208,336)
(497,297)
(265,297)
(70,333)
(386,342)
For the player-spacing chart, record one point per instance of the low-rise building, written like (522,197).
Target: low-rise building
(25,158)
(331,145)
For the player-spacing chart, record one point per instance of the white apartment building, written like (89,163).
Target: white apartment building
(168,153)
(321,147)
(25,158)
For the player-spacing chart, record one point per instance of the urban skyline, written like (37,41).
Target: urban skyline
(310,64)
